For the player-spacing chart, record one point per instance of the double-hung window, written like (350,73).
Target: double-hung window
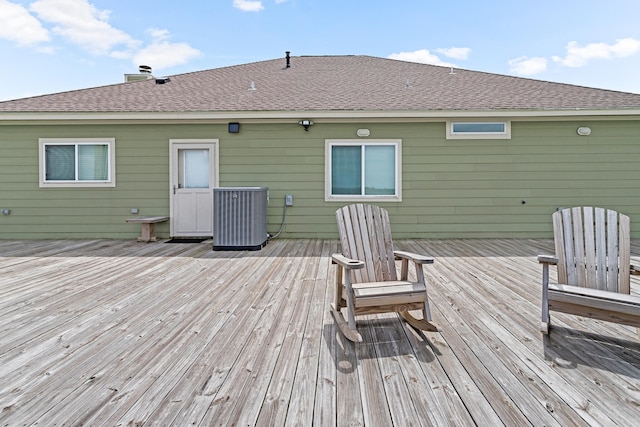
(72,162)
(367,171)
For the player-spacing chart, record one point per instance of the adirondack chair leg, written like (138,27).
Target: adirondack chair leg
(426,311)
(346,326)
(424,323)
(338,300)
(351,305)
(350,334)
(544,325)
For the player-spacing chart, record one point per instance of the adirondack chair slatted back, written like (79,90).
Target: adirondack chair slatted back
(365,235)
(593,248)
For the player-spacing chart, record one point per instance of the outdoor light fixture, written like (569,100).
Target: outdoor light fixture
(584,131)
(234,127)
(305,124)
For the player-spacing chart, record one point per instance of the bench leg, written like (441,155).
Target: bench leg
(148,233)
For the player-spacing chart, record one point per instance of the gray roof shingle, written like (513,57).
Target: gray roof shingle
(329,83)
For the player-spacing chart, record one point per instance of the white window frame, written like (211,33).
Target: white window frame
(396,143)
(111,156)
(451,134)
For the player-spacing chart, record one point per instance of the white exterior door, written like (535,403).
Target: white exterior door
(193,175)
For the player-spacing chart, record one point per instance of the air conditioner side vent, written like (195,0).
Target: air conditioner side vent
(240,218)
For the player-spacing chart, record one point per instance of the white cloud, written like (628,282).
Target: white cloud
(163,54)
(81,23)
(422,56)
(455,52)
(526,66)
(18,25)
(248,5)
(578,56)
(158,34)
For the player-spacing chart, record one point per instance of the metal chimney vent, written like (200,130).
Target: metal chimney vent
(240,218)
(144,73)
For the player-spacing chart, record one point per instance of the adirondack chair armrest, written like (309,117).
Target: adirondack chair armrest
(420,259)
(348,263)
(547,259)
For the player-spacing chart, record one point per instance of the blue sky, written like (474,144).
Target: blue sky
(49,46)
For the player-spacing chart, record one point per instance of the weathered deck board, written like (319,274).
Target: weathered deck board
(103,332)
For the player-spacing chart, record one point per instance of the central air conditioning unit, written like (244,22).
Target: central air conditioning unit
(240,218)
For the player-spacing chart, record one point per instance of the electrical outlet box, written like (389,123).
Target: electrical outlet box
(288,200)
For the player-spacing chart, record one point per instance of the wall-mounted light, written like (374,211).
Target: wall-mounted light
(584,131)
(234,127)
(363,133)
(305,124)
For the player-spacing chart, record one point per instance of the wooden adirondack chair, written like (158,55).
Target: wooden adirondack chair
(593,266)
(366,278)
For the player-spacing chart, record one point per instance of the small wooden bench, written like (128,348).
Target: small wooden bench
(148,232)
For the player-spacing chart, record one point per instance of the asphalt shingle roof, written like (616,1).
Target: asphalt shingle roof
(329,83)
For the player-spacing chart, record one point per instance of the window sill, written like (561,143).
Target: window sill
(359,199)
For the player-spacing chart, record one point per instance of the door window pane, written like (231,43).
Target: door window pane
(193,168)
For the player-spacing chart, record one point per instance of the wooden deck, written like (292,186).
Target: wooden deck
(114,333)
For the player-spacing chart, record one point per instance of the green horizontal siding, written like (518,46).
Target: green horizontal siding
(451,188)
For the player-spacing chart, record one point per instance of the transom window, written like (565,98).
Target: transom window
(77,162)
(478,130)
(359,170)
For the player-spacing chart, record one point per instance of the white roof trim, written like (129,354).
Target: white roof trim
(294,115)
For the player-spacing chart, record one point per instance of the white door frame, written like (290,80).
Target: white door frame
(214,177)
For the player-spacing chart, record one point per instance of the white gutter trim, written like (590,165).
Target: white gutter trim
(294,115)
